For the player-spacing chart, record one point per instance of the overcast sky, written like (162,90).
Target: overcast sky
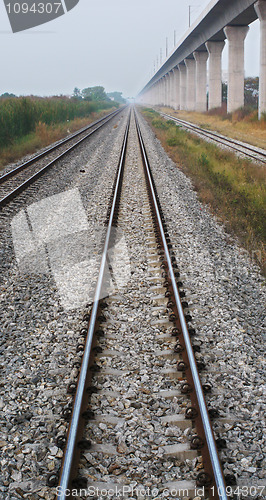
(112,43)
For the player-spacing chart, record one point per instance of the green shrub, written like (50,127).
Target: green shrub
(242,113)
(171,123)
(174,141)
(150,111)
(204,161)
(160,124)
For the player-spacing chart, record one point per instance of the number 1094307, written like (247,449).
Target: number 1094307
(33,8)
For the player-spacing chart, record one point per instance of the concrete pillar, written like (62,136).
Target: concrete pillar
(183,86)
(236,36)
(215,73)
(152,95)
(168,90)
(156,93)
(201,80)
(171,88)
(176,94)
(161,91)
(169,97)
(164,91)
(191,84)
(260,8)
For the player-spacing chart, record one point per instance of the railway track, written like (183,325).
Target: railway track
(140,435)
(138,398)
(257,154)
(18,179)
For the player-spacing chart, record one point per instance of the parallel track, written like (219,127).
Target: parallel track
(211,476)
(14,175)
(251,152)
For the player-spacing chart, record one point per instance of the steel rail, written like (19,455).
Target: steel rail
(216,467)
(216,137)
(66,470)
(6,199)
(37,157)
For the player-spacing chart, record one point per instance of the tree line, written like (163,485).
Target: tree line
(97,94)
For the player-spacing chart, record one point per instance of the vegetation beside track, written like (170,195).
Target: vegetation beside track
(30,123)
(242,125)
(235,189)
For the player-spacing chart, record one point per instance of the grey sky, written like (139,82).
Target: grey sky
(110,43)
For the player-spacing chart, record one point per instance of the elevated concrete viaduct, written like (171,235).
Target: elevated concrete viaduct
(181,82)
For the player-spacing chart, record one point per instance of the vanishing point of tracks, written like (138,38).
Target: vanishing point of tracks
(256,154)
(100,345)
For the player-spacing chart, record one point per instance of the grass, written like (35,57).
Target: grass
(19,116)
(242,125)
(42,136)
(235,189)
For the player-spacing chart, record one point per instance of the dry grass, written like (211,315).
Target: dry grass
(43,136)
(235,189)
(247,129)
